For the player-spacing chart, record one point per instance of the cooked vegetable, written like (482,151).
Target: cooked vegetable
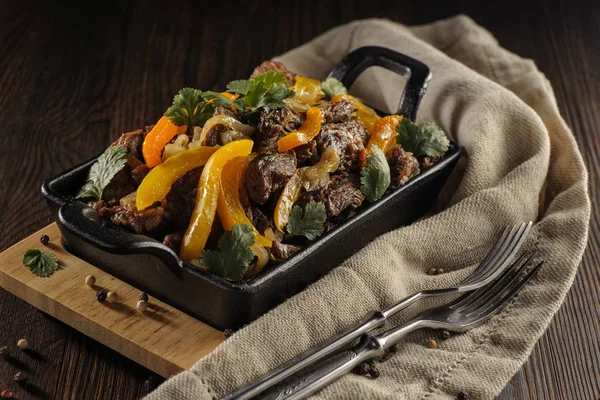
(234,256)
(229,207)
(102,171)
(317,175)
(384,133)
(266,90)
(207,195)
(180,144)
(308,90)
(157,139)
(309,129)
(366,114)
(287,199)
(375,177)
(189,109)
(157,184)
(332,87)
(424,139)
(308,222)
(224,99)
(224,120)
(40,263)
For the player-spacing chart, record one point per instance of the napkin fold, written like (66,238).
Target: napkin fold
(520,163)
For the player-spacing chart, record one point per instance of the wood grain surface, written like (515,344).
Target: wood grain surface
(74,75)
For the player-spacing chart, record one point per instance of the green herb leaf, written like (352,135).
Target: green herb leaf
(40,263)
(189,108)
(375,177)
(218,99)
(239,86)
(308,222)
(234,256)
(332,87)
(424,139)
(267,91)
(102,171)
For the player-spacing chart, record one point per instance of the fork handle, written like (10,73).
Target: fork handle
(313,379)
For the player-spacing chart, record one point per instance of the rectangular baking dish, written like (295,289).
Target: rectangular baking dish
(154,268)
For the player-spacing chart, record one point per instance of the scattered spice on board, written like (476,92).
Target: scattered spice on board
(45,239)
(143,296)
(90,280)
(112,297)
(142,305)
(23,344)
(228,332)
(101,296)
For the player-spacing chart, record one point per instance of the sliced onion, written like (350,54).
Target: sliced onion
(276,236)
(231,136)
(179,144)
(296,105)
(317,176)
(129,200)
(225,120)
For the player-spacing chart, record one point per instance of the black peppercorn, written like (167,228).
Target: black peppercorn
(45,239)
(362,369)
(20,378)
(101,296)
(462,396)
(373,371)
(228,332)
(143,297)
(445,335)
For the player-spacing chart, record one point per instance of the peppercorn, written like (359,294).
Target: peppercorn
(101,296)
(90,280)
(373,371)
(20,378)
(142,305)
(4,351)
(362,369)
(432,344)
(439,271)
(6,394)
(462,396)
(143,296)
(112,297)
(228,332)
(431,271)
(445,335)
(22,344)
(45,239)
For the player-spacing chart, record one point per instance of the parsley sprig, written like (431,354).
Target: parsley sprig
(423,139)
(308,222)
(375,177)
(40,263)
(189,108)
(102,171)
(234,256)
(332,87)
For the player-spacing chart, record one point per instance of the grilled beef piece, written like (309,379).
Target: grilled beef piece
(133,142)
(402,166)
(259,219)
(220,110)
(173,240)
(305,153)
(338,195)
(276,66)
(337,112)
(181,199)
(213,136)
(348,139)
(426,161)
(139,173)
(272,125)
(151,222)
(268,173)
(283,251)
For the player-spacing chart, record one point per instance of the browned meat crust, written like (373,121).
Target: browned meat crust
(283,251)
(276,66)
(402,166)
(272,125)
(268,173)
(348,139)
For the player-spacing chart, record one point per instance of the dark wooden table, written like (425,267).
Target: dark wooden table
(73,76)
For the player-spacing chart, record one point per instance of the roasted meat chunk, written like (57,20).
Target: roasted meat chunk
(283,251)
(276,66)
(348,139)
(267,173)
(402,166)
(273,125)
(337,112)
(338,195)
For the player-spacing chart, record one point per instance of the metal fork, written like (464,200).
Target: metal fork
(495,262)
(467,312)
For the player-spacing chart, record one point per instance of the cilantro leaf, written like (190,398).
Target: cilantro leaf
(239,86)
(332,87)
(40,263)
(218,99)
(267,90)
(375,177)
(424,139)
(234,256)
(189,108)
(102,171)
(307,223)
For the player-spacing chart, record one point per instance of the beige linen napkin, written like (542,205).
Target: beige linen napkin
(521,162)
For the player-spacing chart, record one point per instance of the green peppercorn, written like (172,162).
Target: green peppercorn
(45,239)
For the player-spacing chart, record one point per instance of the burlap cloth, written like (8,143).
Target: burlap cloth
(521,163)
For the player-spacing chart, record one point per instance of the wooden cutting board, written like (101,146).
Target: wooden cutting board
(163,339)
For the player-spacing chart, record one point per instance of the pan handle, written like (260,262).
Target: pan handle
(417,73)
(84,222)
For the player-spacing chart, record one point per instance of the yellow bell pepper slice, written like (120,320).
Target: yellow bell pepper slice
(207,196)
(307,131)
(288,197)
(366,114)
(157,184)
(157,139)
(384,133)
(308,90)
(229,206)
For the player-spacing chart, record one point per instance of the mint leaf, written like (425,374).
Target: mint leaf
(239,86)
(234,256)
(424,139)
(332,87)
(375,177)
(308,222)
(189,108)
(102,171)
(40,263)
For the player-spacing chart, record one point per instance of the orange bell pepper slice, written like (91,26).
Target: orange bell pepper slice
(384,133)
(207,196)
(308,130)
(157,139)
(366,114)
(157,184)
(288,197)
(308,90)
(229,205)
(230,96)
